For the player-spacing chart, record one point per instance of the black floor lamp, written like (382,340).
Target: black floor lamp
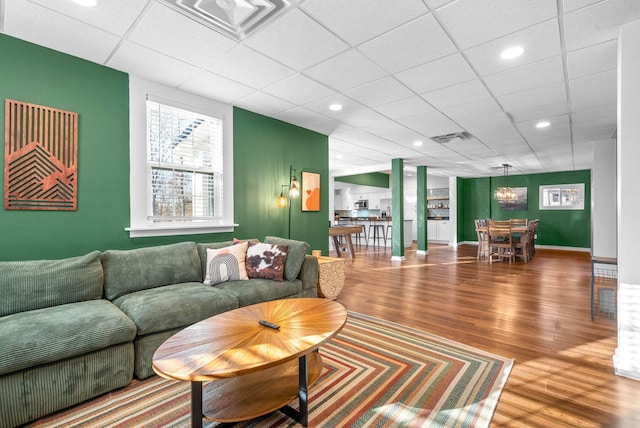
(294,192)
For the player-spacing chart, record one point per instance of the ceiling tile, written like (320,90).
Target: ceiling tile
(346,71)
(216,87)
(598,23)
(571,5)
(528,76)
(473,22)
(590,102)
(534,97)
(539,42)
(381,91)
(357,21)
(35,24)
(480,108)
(296,41)
(456,95)
(301,116)
(431,124)
(298,89)
(447,71)
(601,83)
(483,127)
(262,103)
(179,38)
(248,67)
(133,59)
(404,108)
(592,59)
(114,16)
(541,111)
(427,42)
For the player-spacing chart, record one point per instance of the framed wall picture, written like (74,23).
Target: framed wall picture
(562,197)
(310,191)
(520,204)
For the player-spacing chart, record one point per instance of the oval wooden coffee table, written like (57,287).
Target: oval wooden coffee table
(253,369)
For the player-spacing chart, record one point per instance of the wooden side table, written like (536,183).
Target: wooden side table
(330,277)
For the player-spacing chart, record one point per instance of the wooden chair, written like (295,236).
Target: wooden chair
(500,243)
(483,238)
(522,243)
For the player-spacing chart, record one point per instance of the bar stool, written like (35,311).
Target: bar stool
(354,222)
(378,231)
(389,229)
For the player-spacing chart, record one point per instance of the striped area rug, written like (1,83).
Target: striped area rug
(376,374)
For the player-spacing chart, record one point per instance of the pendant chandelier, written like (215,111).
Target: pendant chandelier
(506,194)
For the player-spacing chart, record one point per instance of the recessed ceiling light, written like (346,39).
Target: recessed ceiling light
(417,143)
(86,3)
(335,107)
(513,52)
(542,124)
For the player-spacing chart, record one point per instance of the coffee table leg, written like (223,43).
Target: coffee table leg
(196,404)
(303,389)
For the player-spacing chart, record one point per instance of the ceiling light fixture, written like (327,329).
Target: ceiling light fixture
(335,107)
(506,194)
(513,52)
(86,3)
(542,124)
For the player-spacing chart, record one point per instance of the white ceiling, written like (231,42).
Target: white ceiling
(404,70)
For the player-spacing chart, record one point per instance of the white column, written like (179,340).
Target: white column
(627,356)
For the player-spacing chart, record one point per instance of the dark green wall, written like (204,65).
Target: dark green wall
(375,179)
(565,228)
(264,148)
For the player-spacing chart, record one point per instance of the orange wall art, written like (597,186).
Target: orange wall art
(310,191)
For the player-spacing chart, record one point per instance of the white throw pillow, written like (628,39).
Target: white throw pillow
(226,264)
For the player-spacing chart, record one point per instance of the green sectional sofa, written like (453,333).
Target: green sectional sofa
(76,328)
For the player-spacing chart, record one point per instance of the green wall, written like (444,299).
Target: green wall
(375,179)
(263,150)
(564,228)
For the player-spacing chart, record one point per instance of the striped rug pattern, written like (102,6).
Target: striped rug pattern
(376,374)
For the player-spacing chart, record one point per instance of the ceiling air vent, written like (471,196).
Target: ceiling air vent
(234,18)
(455,137)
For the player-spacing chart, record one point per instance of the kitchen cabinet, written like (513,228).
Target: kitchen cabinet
(438,230)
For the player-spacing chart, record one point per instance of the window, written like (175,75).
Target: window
(181,167)
(184,157)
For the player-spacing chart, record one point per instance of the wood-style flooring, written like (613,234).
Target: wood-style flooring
(536,313)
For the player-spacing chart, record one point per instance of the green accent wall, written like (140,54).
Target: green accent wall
(375,179)
(263,150)
(563,228)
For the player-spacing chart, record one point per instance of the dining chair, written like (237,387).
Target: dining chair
(522,243)
(500,243)
(483,238)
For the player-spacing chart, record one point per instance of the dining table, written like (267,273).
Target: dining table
(345,231)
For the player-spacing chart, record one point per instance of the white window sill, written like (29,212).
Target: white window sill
(183,229)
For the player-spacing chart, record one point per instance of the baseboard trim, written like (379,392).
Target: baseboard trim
(546,247)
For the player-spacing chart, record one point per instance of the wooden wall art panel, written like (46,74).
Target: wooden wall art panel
(41,154)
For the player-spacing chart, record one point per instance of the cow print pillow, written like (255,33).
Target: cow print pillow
(266,261)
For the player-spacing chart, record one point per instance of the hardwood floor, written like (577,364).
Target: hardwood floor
(536,313)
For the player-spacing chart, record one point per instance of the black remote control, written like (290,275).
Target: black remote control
(269,324)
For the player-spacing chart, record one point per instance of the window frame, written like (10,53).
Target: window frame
(140,197)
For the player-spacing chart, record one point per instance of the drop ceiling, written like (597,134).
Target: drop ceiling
(403,71)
